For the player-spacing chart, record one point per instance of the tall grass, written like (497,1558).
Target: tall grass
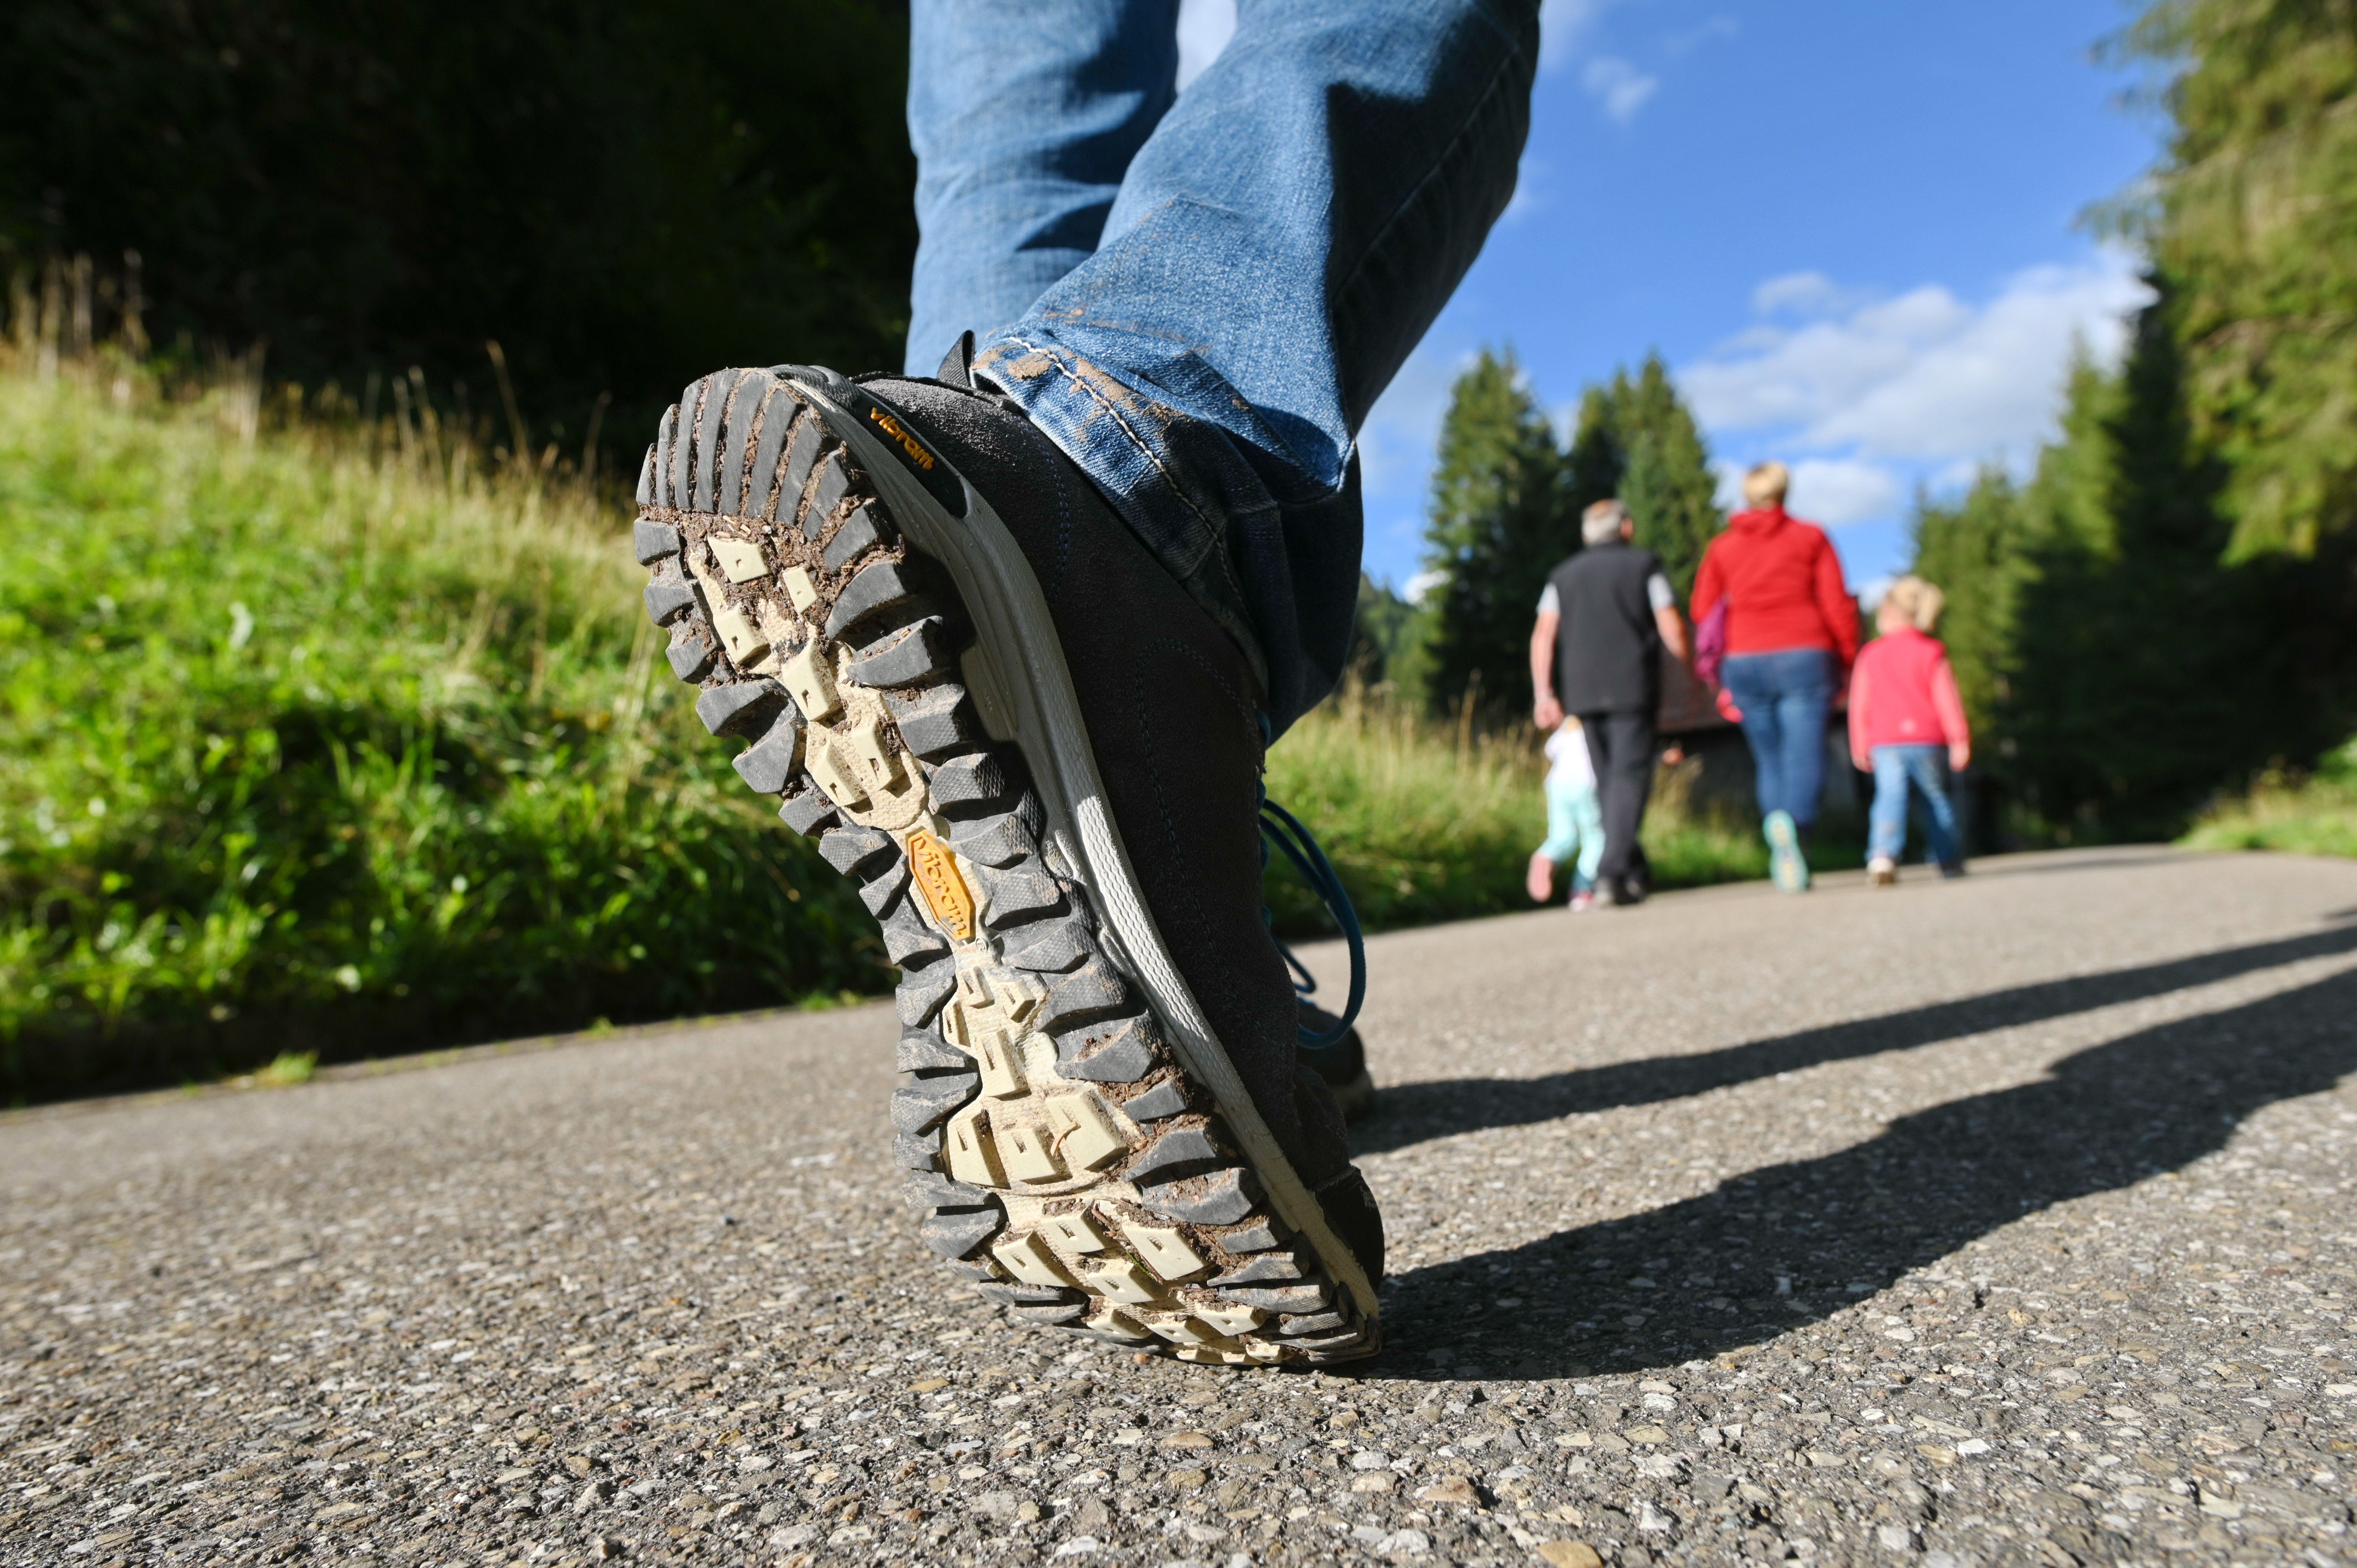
(2314,813)
(346,735)
(1429,822)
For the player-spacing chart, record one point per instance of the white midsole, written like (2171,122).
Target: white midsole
(1014,632)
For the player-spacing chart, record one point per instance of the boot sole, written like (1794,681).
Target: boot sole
(1085,1155)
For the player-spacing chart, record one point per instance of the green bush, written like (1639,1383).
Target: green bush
(303,743)
(2314,813)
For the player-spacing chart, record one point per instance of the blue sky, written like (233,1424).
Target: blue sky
(1852,229)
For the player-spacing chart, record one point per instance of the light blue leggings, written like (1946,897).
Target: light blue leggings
(1575,823)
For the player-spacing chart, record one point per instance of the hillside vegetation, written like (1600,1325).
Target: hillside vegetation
(320,736)
(340,740)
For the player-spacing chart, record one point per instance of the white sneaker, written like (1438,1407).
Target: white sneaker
(1883,871)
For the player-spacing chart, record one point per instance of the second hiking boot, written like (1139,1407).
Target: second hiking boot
(1039,759)
(1342,1063)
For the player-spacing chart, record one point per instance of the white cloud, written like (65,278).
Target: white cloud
(1924,377)
(1204,28)
(1831,490)
(1420,584)
(1562,23)
(1618,86)
(1865,397)
(1528,175)
(1801,293)
(1835,490)
(1711,31)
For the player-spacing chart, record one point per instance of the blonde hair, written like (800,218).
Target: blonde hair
(1766,483)
(1916,602)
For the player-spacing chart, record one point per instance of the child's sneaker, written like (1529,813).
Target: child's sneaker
(1581,903)
(1786,865)
(1539,881)
(1883,871)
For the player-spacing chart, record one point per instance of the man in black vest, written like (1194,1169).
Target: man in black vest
(1606,616)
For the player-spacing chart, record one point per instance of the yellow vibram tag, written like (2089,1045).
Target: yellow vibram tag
(937,878)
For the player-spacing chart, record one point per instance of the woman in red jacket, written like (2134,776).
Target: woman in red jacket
(1792,631)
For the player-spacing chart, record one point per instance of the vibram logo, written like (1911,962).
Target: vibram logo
(936,875)
(899,433)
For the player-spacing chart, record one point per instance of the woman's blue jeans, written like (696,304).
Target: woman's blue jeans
(1922,770)
(1785,697)
(1198,296)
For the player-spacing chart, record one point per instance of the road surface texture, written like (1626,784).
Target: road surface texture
(2003,1221)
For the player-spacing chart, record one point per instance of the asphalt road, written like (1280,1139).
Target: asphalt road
(2003,1221)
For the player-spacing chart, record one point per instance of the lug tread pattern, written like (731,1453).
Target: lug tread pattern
(1062,1165)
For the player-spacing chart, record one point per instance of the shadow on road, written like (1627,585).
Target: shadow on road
(1415,1113)
(1835,1227)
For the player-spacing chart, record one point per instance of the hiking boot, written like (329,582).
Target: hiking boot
(1787,866)
(1342,1064)
(1040,758)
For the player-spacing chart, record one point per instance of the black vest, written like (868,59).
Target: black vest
(1608,648)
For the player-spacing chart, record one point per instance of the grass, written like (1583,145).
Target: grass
(321,739)
(328,738)
(1425,825)
(2314,813)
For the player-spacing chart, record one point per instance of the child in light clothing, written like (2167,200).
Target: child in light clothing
(1575,820)
(1906,720)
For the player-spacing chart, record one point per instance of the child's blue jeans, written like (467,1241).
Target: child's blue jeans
(1900,770)
(1575,824)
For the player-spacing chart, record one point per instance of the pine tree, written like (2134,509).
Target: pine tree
(2252,217)
(1499,522)
(1976,551)
(1507,502)
(1665,476)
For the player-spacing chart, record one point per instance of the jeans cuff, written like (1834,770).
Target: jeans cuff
(1178,482)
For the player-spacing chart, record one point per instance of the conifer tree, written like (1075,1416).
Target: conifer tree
(1976,551)
(1500,520)
(1665,476)
(2252,217)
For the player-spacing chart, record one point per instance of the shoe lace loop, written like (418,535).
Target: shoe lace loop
(1283,828)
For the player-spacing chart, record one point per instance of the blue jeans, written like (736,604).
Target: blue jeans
(1925,767)
(1198,297)
(1784,697)
(1574,826)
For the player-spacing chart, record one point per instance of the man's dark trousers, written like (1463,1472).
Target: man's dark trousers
(1620,745)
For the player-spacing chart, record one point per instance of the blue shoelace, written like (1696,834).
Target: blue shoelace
(1283,828)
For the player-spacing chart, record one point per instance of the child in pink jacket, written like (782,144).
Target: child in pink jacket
(1906,727)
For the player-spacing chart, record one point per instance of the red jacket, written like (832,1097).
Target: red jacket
(1903,693)
(1782,583)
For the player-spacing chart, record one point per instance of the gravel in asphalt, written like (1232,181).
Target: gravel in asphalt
(2001,1221)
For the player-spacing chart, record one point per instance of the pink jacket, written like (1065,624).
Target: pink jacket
(1903,693)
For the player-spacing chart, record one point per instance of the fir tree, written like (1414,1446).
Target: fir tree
(1499,522)
(1976,552)
(2253,218)
(1665,476)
